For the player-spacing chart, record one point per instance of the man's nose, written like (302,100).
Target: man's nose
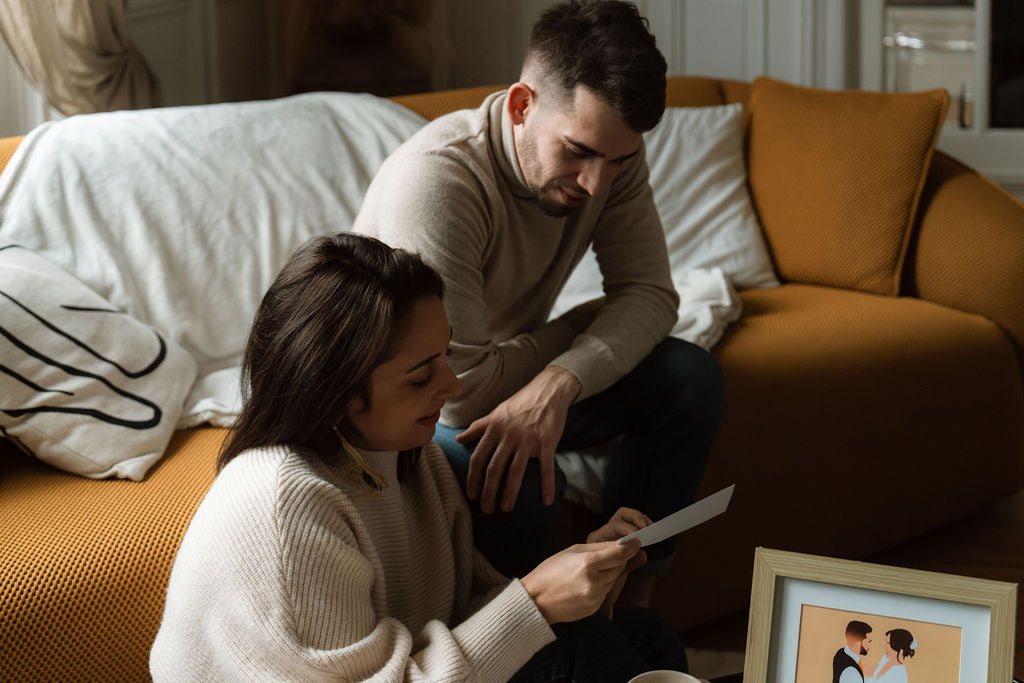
(595,177)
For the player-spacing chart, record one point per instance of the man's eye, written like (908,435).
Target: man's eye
(576,153)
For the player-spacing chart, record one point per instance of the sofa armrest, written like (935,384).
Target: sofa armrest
(7,147)
(968,249)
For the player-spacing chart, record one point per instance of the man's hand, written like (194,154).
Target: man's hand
(527,425)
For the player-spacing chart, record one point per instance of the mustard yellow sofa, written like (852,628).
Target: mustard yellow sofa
(854,421)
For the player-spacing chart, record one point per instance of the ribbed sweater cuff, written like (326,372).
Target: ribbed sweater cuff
(593,363)
(502,636)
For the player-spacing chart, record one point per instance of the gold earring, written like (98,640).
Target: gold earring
(372,479)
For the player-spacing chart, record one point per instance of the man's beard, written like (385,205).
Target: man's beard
(553,207)
(547,194)
(863,650)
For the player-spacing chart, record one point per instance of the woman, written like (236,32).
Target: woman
(899,644)
(335,543)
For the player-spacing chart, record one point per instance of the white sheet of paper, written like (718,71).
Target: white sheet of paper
(687,518)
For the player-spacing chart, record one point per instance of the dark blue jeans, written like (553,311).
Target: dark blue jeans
(596,649)
(667,410)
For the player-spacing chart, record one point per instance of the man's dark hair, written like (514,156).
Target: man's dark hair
(606,46)
(858,628)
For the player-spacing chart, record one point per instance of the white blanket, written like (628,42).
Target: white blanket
(183,216)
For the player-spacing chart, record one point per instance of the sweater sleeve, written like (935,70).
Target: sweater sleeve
(441,207)
(641,302)
(333,600)
(271,584)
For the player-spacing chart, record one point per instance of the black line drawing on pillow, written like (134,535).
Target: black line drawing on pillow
(156,413)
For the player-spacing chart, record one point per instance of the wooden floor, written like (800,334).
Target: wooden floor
(989,545)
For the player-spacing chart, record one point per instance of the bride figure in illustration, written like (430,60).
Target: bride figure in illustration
(899,644)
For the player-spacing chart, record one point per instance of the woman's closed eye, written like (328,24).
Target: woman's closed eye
(426,381)
(426,373)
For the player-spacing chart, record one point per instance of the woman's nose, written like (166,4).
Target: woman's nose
(450,384)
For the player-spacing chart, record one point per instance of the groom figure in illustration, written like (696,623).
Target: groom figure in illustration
(846,665)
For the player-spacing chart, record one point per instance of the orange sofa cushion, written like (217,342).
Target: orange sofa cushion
(84,564)
(7,147)
(836,177)
(842,405)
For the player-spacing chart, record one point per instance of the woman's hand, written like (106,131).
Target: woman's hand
(572,584)
(624,522)
(888,665)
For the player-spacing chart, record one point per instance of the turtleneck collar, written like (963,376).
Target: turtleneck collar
(503,147)
(384,463)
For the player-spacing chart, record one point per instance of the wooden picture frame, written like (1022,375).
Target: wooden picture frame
(981,612)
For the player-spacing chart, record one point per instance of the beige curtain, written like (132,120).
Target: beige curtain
(78,55)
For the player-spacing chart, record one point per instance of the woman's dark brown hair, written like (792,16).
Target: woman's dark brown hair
(330,318)
(902,641)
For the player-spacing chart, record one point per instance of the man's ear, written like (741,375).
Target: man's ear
(521,100)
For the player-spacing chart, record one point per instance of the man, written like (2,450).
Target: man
(846,665)
(504,200)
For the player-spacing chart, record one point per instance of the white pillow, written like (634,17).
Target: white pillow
(83,386)
(183,216)
(699,179)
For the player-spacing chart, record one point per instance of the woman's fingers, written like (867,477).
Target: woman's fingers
(631,516)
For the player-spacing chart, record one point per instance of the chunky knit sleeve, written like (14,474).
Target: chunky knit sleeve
(273,583)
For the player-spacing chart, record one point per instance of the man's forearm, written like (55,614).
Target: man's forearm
(553,385)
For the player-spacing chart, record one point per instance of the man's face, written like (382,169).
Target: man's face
(865,645)
(571,151)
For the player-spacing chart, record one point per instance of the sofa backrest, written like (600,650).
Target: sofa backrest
(681,91)
(7,147)
(957,212)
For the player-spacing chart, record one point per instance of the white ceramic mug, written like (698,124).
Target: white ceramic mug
(664,676)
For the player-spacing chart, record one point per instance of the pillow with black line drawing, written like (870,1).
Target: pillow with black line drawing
(83,386)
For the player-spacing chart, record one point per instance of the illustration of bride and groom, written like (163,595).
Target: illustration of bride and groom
(849,664)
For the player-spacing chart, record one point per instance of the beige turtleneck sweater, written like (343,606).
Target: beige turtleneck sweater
(293,569)
(455,194)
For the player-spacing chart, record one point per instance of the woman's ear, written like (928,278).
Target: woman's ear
(355,406)
(520,102)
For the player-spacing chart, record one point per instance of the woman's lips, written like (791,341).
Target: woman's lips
(430,420)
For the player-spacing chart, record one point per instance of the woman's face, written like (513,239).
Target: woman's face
(407,391)
(889,649)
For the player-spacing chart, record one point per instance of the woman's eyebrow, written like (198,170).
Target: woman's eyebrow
(427,361)
(423,362)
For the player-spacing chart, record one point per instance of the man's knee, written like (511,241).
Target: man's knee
(529,509)
(691,377)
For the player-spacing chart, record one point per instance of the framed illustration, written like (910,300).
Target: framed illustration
(813,618)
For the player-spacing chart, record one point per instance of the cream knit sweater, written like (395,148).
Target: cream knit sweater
(455,194)
(294,570)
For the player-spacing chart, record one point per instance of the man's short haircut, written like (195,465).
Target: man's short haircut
(858,628)
(606,46)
